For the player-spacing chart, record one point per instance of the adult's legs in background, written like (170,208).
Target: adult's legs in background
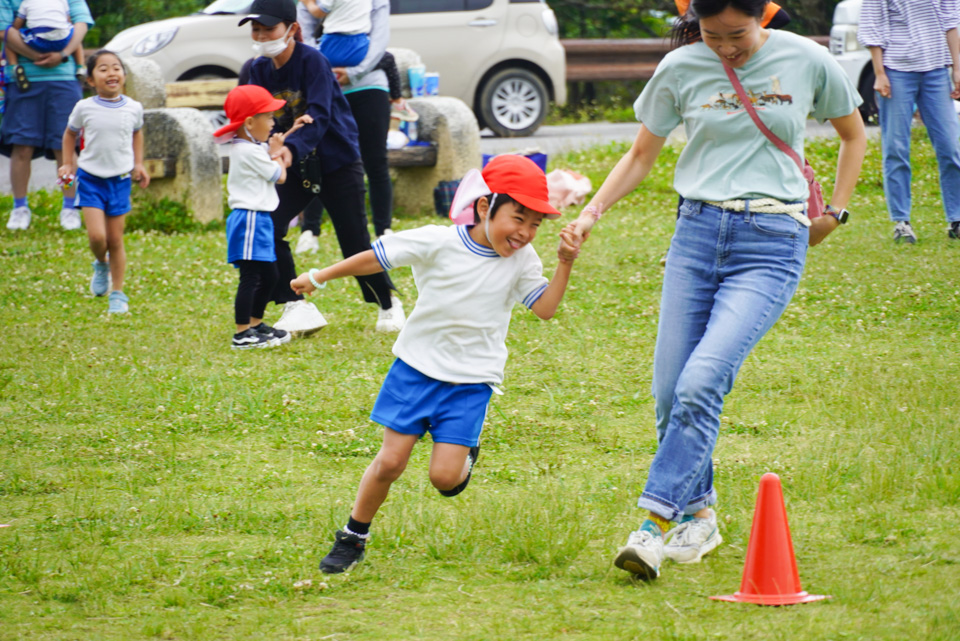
(371,110)
(940,118)
(342,197)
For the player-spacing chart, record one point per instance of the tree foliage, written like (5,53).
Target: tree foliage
(113,16)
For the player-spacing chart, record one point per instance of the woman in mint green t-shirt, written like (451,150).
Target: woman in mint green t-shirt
(733,263)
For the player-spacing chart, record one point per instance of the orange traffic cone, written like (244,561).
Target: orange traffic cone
(770,573)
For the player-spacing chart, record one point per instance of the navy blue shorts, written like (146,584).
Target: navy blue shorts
(112,195)
(413,403)
(37,117)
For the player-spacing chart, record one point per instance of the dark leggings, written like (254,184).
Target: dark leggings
(342,197)
(257,278)
(371,110)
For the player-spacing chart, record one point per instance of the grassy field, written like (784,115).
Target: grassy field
(161,486)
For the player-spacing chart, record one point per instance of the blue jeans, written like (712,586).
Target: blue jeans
(729,276)
(930,91)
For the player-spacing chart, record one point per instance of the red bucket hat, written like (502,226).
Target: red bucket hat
(510,174)
(243,102)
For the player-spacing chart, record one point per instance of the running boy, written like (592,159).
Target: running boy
(112,159)
(252,195)
(451,352)
(45,27)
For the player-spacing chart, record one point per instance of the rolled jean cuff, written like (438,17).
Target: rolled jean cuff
(672,512)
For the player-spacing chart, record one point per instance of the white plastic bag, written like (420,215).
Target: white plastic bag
(567,187)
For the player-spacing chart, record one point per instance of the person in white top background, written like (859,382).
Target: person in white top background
(45,27)
(913,45)
(451,352)
(252,195)
(112,158)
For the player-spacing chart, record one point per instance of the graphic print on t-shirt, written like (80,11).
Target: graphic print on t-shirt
(730,102)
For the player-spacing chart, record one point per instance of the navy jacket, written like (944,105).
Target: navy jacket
(308,84)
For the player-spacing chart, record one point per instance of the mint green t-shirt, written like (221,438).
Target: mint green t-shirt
(726,156)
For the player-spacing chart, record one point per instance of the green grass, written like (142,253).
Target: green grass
(161,486)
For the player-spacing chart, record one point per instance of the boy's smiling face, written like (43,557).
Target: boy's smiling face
(513,227)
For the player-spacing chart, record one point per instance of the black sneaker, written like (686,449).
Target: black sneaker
(474,453)
(249,339)
(274,335)
(346,553)
(953,231)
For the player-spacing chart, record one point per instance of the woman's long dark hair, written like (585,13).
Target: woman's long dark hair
(687,29)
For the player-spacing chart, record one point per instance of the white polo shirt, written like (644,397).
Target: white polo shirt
(108,127)
(252,177)
(457,331)
(348,17)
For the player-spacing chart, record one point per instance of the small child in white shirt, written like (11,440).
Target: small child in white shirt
(45,27)
(451,352)
(252,195)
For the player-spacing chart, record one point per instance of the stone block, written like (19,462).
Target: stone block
(451,124)
(184,137)
(145,82)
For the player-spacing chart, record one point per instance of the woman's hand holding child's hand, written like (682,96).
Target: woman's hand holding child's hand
(569,247)
(305,119)
(140,175)
(302,285)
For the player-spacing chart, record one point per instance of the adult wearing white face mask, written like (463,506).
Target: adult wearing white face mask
(323,156)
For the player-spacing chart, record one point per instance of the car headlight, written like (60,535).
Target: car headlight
(154,42)
(550,22)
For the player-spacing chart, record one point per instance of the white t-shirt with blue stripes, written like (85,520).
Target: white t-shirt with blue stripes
(107,127)
(458,329)
(912,33)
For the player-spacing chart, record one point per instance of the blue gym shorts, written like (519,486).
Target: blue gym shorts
(413,403)
(37,117)
(112,195)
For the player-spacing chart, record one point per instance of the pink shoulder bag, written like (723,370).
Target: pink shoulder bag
(815,200)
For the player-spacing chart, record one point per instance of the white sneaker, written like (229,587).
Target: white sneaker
(391,320)
(19,218)
(689,541)
(300,318)
(70,218)
(386,232)
(642,555)
(307,243)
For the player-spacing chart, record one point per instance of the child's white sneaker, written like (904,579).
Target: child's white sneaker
(391,320)
(689,541)
(19,218)
(307,243)
(300,318)
(643,553)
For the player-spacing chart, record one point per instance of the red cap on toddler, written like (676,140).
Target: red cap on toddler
(243,102)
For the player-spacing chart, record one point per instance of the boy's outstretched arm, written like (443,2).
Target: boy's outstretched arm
(546,305)
(362,264)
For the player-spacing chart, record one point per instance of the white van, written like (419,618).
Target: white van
(501,57)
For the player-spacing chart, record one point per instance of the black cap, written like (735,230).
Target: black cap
(270,13)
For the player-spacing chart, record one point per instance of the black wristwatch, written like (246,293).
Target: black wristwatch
(842,216)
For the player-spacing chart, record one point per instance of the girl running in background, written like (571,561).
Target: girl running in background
(112,128)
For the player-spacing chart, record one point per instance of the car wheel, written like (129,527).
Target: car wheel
(513,102)
(868,109)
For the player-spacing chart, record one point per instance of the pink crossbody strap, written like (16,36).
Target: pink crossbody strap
(748,105)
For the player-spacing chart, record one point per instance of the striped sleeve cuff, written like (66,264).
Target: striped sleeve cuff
(534,296)
(381,255)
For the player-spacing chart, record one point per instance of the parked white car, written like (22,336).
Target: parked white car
(854,58)
(502,57)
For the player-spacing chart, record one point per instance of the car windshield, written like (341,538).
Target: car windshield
(227,6)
